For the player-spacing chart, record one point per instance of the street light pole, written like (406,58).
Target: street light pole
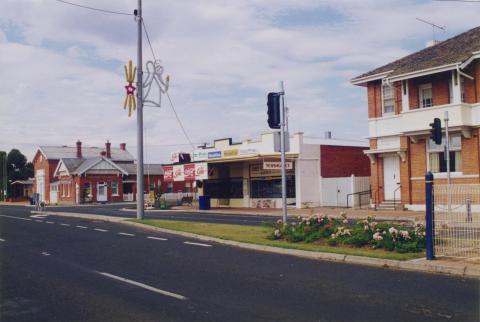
(140,196)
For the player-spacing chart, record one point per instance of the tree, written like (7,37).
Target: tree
(3,174)
(17,167)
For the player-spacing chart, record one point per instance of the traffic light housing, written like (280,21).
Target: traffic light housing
(273,104)
(436,131)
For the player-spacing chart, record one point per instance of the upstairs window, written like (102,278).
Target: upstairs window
(437,157)
(388,99)
(425,91)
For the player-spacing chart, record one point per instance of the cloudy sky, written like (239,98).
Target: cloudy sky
(62,66)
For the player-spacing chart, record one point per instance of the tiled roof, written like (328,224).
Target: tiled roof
(59,152)
(72,163)
(454,50)
(152,169)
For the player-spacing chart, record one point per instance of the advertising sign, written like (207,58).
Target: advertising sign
(178,173)
(230,153)
(189,172)
(276,165)
(174,157)
(201,171)
(247,151)
(214,154)
(168,173)
(200,155)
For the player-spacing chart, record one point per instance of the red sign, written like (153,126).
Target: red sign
(168,173)
(189,172)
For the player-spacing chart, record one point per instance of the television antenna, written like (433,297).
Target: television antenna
(443,28)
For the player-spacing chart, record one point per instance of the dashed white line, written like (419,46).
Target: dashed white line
(37,220)
(45,254)
(144,286)
(126,234)
(13,217)
(66,225)
(50,222)
(2,240)
(81,227)
(102,230)
(197,244)
(156,238)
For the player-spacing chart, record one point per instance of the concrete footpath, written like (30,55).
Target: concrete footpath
(457,267)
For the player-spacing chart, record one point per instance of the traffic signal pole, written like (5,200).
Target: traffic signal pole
(282,150)
(447,158)
(140,196)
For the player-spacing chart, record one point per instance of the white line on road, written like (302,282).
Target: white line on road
(81,227)
(45,254)
(126,234)
(145,286)
(66,225)
(37,220)
(50,222)
(197,244)
(102,230)
(2,240)
(19,218)
(156,238)
(38,216)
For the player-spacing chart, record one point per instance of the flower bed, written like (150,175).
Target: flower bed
(402,238)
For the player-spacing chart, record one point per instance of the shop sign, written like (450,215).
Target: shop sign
(200,155)
(201,171)
(178,174)
(257,170)
(230,153)
(189,172)
(214,154)
(174,157)
(247,151)
(168,173)
(276,165)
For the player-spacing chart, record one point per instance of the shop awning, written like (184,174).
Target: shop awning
(251,158)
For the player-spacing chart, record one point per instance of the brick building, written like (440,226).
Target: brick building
(89,174)
(403,99)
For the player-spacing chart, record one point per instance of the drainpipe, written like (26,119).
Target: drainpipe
(463,74)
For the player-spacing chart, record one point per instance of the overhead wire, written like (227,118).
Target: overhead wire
(95,9)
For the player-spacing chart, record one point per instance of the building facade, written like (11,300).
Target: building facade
(403,99)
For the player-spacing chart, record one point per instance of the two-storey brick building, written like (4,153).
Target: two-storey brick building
(403,99)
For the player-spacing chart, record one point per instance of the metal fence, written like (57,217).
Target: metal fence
(457,227)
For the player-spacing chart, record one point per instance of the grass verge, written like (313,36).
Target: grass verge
(257,235)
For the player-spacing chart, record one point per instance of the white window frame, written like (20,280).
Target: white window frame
(440,148)
(384,99)
(420,94)
(115,193)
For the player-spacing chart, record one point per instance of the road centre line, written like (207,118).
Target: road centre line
(197,244)
(66,225)
(81,227)
(38,220)
(19,218)
(144,286)
(50,222)
(45,254)
(126,234)
(2,240)
(102,230)
(156,238)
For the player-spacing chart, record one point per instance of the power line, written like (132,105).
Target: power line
(180,122)
(457,0)
(96,9)
(148,39)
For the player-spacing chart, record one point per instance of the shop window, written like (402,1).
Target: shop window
(114,188)
(436,155)
(272,188)
(231,188)
(388,99)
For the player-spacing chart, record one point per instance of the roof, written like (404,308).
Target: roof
(455,50)
(24,182)
(72,163)
(336,142)
(152,169)
(59,152)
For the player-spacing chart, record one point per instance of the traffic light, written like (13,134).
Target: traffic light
(273,104)
(436,131)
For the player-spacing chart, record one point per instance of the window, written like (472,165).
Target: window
(272,188)
(224,188)
(388,99)
(114,188)
(426,95)
(437,158)
(170,187)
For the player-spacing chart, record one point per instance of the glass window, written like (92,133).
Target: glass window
(272,188)
(114,188)
(229,188)
(388,99)
(437,157)
(426,95)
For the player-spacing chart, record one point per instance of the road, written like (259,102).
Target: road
(67,269)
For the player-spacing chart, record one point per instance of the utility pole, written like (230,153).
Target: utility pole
(447,158)
(140,196)
(282,150)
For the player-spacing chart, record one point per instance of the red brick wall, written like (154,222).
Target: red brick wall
(398,97)
(49,167)
(95,179)
(374,90)
(343,161)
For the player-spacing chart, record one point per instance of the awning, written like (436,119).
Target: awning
(257,157)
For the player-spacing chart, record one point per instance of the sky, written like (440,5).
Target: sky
(62,76)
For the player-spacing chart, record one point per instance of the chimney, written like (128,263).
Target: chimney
(107,147)
(103,153)
(79,149)
(123,146)
(328,134)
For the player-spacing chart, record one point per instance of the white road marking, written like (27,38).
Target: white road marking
(19,218)
(156,238)
(145,286)
(38,216)
(102,230)
(45,254)
(81,227)
(50,222)
(197,244)
(37,220)
(125,234)
(66,225)
(2,240)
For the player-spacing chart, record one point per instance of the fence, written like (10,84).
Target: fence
(336,191)
(457,230)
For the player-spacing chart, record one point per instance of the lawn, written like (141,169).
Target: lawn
(258,235)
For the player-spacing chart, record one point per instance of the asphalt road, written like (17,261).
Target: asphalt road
(67,269)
